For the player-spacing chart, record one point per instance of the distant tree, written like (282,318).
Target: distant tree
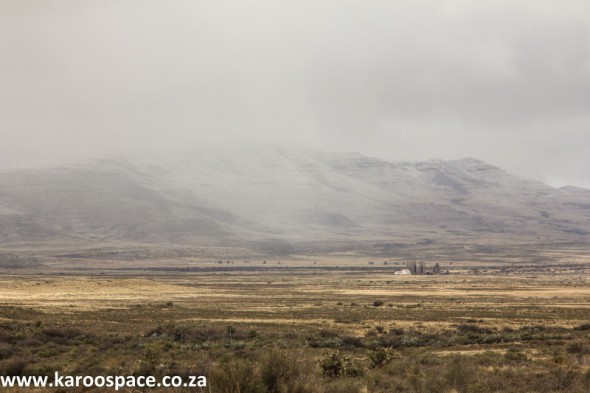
(436,268)
(411,266)
(421,269)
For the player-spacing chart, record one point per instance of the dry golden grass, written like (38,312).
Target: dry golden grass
(282,297)
(498,324)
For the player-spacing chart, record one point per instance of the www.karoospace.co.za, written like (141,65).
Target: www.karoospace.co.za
(115,382)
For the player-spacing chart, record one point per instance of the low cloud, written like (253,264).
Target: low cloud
(505,81)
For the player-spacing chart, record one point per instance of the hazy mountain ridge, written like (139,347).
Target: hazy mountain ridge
(288,197)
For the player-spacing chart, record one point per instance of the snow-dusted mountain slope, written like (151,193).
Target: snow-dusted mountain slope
(287,195)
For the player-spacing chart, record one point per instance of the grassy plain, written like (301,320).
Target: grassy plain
(305,327)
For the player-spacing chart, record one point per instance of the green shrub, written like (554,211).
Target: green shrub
(381,356)
(335,365)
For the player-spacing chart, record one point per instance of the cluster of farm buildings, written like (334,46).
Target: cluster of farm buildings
(414,267)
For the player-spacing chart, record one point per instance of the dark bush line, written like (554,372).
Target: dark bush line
(469,328)
(199,334)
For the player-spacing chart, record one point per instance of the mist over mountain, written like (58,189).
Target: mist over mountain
(286,200)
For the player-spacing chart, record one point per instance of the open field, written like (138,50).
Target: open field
(307,329)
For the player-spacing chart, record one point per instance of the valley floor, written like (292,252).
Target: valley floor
(302,330)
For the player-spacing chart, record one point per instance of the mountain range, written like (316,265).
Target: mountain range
(287,201)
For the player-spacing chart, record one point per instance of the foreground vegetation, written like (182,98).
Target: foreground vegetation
(357,332)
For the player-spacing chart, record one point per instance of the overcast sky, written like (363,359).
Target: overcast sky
(503,81)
